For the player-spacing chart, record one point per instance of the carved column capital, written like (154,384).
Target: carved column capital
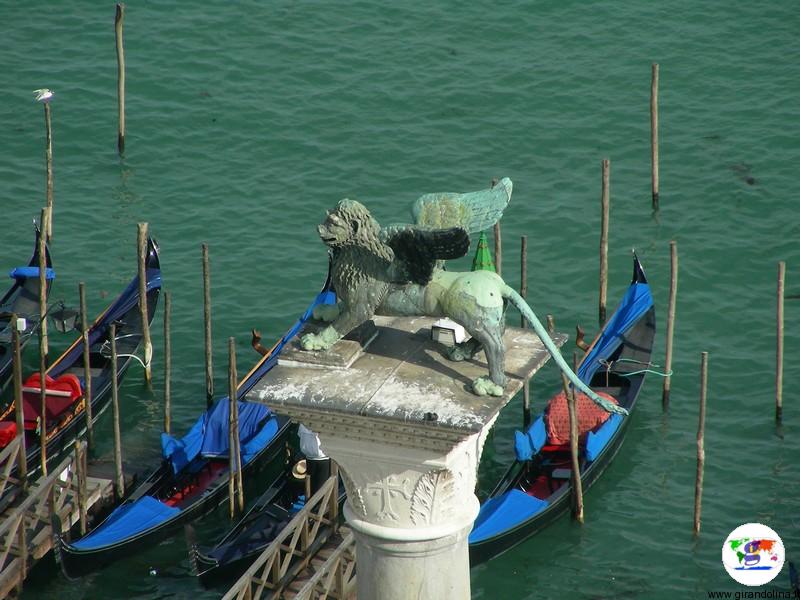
(397,487)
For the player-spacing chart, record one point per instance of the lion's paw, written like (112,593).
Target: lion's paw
(464,350)
(457,353)
(312,341)
(483,386)
(326,312)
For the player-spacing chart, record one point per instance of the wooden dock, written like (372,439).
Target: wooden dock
(330,574)
(26,527)
(313,557)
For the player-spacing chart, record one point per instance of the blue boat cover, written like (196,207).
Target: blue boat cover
(597,440)
(29,272)
(208,437)
(528,444)
(636,302)
(254,445)
(127,520)
(504,512)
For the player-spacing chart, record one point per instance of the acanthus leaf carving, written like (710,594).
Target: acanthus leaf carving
(354,495)
(433,497)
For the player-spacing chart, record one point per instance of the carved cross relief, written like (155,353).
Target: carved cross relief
(386,489)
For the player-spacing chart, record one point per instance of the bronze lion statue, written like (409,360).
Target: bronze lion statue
(397,271)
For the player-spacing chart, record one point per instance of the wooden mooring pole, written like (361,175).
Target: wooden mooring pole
(551,324)
(119,479)
(604,210)
(43,342)
(779,345)
(143,313)
(167,363)
(523,291)
(45,216)
(577,485)
(22,463)
(118,22)
(80,476)
(235,460)
(44,96)
(701,453)
(654,133)
(87,366)
(47,226)
(207,323)
(673,296)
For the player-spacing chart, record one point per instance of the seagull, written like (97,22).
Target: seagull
(43,95)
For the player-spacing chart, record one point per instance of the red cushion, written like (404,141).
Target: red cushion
(590,415)
(556,448)
(8,431)
(56,404)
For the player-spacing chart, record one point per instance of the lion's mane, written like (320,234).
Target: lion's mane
(362,259)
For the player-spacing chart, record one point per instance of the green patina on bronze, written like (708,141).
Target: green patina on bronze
(442,213)
(397,271)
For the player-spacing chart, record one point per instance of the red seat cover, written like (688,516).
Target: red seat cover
(590,415)
(55,405)
(8,431)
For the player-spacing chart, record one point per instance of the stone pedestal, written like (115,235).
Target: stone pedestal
(407,432)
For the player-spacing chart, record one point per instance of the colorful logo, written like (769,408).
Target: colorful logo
(753,554)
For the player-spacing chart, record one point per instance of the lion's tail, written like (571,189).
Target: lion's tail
(537,326)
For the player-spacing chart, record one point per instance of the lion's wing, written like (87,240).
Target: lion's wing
(474,211)
(417,250)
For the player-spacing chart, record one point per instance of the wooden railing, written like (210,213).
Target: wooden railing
(9,458)
(336,578)
(293,549)
(26,531)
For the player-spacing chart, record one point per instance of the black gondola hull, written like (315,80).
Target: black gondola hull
(129,328)
(129,325)
(76,562)
(636,348)
(232,555)
(482,551)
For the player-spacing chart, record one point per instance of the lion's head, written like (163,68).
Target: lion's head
(350,223)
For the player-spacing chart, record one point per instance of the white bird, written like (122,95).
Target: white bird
(43,95)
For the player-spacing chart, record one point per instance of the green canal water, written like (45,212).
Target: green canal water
(246,120)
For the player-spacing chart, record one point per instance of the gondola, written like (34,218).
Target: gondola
(192,479)
(256,530)
(22,299)
(537,487)
(65,408)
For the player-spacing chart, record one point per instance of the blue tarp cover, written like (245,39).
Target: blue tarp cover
(252,447)
(636,302)
(504,512)
(597,440)
(127,520)
(27,272)
(528,444)
(208,437)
